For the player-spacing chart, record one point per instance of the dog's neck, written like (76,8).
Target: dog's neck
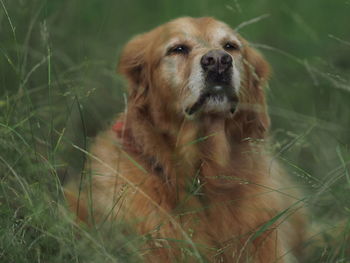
(179,148)
(203,139)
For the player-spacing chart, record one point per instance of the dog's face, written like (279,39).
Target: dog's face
(194,66)
(202,61)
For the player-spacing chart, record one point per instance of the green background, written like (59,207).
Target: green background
(59,88)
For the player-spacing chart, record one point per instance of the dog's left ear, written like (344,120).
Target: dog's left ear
(258,67)
(254,111)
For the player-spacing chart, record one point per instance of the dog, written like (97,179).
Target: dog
(187,163)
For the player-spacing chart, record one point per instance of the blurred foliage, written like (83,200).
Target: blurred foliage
(58,87)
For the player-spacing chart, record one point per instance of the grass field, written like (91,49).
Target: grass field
(58,88)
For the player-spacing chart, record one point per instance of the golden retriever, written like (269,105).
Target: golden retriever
(187,162)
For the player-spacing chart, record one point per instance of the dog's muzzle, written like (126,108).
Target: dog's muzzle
(217,68)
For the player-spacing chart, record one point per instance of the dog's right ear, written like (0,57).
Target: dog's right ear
(133,59)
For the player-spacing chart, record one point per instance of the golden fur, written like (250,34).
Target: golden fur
(239,210)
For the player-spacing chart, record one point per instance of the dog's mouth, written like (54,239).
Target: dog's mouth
(217,98)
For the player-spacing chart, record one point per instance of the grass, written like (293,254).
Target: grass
(58,88)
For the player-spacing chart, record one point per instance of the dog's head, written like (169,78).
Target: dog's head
(195,67)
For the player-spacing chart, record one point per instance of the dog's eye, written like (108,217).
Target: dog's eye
(230,46)
(178,49)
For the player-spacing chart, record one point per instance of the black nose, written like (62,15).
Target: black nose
(217,61)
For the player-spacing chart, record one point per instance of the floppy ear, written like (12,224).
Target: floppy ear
(254,114)
(132,62)
(258,67)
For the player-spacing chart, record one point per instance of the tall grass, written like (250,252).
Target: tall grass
(59,88)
